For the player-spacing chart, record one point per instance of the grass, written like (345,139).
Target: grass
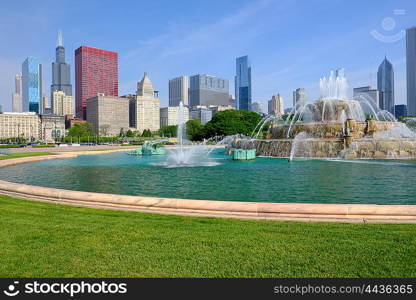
(48,240)
(23,154)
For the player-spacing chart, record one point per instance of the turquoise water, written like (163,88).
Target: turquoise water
(262,180)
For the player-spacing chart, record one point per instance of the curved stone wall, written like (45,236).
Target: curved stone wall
(357,213)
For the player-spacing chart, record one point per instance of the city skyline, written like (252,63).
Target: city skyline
(282,57)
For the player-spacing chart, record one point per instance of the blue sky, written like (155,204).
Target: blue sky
(290,43)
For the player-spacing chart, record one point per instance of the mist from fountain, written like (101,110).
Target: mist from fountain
(332,102)
(335,87)
(334,125)
(300,146)
(186,154)
(396,133)
(263,122)
(343,118)
(410,123)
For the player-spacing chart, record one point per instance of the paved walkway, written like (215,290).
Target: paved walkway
(70,148)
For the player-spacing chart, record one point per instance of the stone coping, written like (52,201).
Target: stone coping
(353,213)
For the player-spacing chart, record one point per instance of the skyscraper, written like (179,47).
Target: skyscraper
(385,84)
(17,95)
(243,83)
(62,104)
(61,71)
(178,91)
(208,90)
(96,72)
(31,85)
(411,70)
(145,107)
(299,96)
(275,106)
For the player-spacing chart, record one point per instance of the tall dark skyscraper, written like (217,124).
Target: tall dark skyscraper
(385,84)
(61,72)
(411,70)
(243,83)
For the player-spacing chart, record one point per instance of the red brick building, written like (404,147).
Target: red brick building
(96,72)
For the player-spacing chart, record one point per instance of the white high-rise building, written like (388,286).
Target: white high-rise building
(17,95)
(62,104)
(179,91)
(275,105)
(145,107)
(170,115)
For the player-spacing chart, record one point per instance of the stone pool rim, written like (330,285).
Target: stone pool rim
(309,212)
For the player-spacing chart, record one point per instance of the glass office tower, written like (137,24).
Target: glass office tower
(31,85)
(385,84)
(243,83)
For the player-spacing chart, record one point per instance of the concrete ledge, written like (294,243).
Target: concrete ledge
(354,213)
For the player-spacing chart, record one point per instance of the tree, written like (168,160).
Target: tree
(168,131)
(83,129)
(105,129)
(129,133)
(194,130)
(230,122)
(146,133)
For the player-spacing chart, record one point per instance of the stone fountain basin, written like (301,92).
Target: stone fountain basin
(329,129)
(354,213)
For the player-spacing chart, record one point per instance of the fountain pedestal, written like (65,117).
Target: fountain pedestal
(243,154)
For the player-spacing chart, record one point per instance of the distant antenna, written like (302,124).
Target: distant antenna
(60,40)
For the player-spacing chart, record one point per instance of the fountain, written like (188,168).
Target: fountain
(186,154)
(334,127)
(149,148)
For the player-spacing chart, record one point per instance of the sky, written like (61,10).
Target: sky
(290,43)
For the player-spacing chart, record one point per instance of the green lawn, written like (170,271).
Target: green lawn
(23,154)
(47,240)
